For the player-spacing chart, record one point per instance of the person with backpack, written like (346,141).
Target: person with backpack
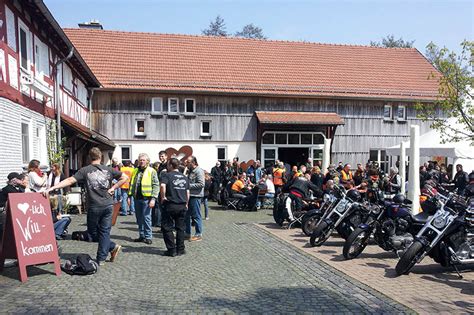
(100,191)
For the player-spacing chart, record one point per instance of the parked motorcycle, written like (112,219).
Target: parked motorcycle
(312,217)
(344,217)
(390,223)
(448,237)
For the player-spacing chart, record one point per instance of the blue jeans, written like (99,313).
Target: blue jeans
(194,213)
(124,208)
(206,206)
(267,195)
(117,194)
(99,224)
(60,226)
(143,215)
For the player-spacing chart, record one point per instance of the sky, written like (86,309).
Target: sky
(446,23)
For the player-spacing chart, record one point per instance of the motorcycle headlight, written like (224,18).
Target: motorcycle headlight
(326,198)
(375,209)
(439,222)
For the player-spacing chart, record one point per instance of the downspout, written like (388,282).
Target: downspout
(92,90)
(56,95)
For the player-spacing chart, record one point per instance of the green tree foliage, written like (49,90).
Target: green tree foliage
(391,42)
(455,101)
(251,31)
(216,28)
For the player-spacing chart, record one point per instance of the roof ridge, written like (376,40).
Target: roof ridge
(235,38)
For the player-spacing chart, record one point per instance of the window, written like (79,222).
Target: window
(387,112)
(81,93)
(24,49)
(269,156)
(205,128)
(41,59)
(156,105)
(317,156)
(173,104)
(126,153)
(25,142)
(190,107)
(306,138)
(401,113)
(140,127)
(67,78)
(281,138)
(222,154)
(318,139)
(293,138)
(268,138)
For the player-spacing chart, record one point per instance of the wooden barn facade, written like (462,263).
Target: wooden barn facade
(254,99)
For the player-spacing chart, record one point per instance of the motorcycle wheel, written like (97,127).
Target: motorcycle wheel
(409,258)
(320,235)
(277,216)
(309,224)
(356,243)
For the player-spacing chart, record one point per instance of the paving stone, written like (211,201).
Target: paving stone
(237,268)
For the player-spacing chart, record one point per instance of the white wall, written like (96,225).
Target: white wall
(205,152)
(11,116)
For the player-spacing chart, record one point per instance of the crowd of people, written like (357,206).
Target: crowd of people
(169,193)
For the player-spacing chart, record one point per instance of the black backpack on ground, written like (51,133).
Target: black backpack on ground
(83,266)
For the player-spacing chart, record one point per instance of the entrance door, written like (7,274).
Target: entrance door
(293,156)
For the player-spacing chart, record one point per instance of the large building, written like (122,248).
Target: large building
(31,43)
(255,99)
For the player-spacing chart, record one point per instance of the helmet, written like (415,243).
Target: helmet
(400,198)
(353,195)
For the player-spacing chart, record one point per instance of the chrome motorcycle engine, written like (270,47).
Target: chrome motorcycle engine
(400,242)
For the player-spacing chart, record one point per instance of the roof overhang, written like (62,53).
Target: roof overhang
(88,134)
(299,118)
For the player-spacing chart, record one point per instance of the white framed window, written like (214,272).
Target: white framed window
(387,112)
(205,128)
(67,78)
(25,141)
(82,93)
(140,127)
(41,59)
(401,113)
(157,105)
(126,152)
(222,154)
(189,106)
(11,32)
(24,40)
(173,105)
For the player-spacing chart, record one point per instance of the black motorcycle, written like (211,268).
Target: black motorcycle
(311,218)
(344,217)
(391,225)
(447,237)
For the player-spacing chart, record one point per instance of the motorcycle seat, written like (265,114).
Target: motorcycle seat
(421,217)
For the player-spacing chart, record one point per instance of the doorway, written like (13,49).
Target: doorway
(293,156)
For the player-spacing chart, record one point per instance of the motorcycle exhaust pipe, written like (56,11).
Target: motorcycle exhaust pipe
(466,261)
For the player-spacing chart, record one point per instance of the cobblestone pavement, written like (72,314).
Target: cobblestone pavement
(237,268)
(428,289)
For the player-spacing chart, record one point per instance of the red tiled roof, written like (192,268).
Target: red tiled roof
(165,62)
(303,118)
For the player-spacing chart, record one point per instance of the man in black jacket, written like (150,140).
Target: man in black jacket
(300,188)
(216,174)
(460,179)
(14,185)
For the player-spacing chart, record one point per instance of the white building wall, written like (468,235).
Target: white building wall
(11,116)
(205,152)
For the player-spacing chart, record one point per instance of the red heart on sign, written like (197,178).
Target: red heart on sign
(182,154)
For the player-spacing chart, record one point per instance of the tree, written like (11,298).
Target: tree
(454,102)
(391,42)
(216,28)
(251,31)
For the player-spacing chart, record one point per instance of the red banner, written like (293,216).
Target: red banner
(29,233)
